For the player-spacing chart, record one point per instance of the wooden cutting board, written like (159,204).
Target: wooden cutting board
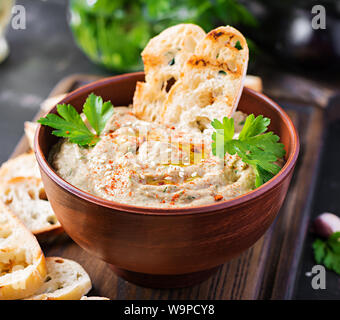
(265,271)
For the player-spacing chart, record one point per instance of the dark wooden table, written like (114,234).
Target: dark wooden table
(275,267)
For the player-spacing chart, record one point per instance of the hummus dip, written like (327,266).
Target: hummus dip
(149,164)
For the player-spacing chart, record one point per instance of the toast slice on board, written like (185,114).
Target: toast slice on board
(26,198)
(22,263)
(22,191)
(65,280)
(24,165)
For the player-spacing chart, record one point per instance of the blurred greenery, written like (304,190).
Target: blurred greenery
(113,33)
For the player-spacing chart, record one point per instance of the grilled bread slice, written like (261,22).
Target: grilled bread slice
(65,280)
(24,165)
(212,81)
(254,83)
(30,129)
(49,103)
(21,189)
(164,58)
(22,263)
(26,198)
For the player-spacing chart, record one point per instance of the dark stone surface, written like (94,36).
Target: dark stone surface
(40,56)
(326,199)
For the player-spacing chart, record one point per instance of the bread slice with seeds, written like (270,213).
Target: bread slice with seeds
(22,263)
(212,81)
(164,58)
(65,280)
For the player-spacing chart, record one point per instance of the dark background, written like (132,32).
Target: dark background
(40,57)
(45,53)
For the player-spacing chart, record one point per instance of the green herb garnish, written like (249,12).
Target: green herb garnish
(238,45)
(328,252)
(70,125)
(172,62)
(222,72)
(253,146)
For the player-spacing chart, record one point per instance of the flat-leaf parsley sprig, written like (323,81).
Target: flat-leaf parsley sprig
(254,145)
(328,252)
(70,125)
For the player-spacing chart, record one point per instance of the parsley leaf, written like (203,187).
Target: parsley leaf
(254,145)
(97,112)
(69,124)
(238,45)
(328,252)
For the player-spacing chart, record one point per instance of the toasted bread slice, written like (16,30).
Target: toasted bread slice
(22,263)
(26,198)
(24,165)
(30,129)
(94,298)
(21,189)
(164,58)
(49,103)
(65,280)
(254,83)
(212,81)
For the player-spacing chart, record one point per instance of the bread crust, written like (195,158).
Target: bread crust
(25,260)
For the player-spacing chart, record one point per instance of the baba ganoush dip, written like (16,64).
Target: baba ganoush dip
(149,164)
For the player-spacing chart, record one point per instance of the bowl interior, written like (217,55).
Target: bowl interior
(120,90)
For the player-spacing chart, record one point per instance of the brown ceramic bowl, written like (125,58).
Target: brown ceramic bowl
(166,247)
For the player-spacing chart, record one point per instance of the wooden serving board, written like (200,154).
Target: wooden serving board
(265,271)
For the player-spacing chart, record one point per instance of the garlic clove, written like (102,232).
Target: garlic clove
(326,224)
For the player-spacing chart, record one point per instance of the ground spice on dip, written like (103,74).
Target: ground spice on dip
(148,164)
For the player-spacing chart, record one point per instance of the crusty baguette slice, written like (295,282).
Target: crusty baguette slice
(212,81)
(30,129)
(26,198)
(22,190)
(22,263)
(24,165)
(94,298)
(253,82)
(164,58)
(65,280)
(49,103)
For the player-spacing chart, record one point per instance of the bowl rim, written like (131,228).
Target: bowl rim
(226,204)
